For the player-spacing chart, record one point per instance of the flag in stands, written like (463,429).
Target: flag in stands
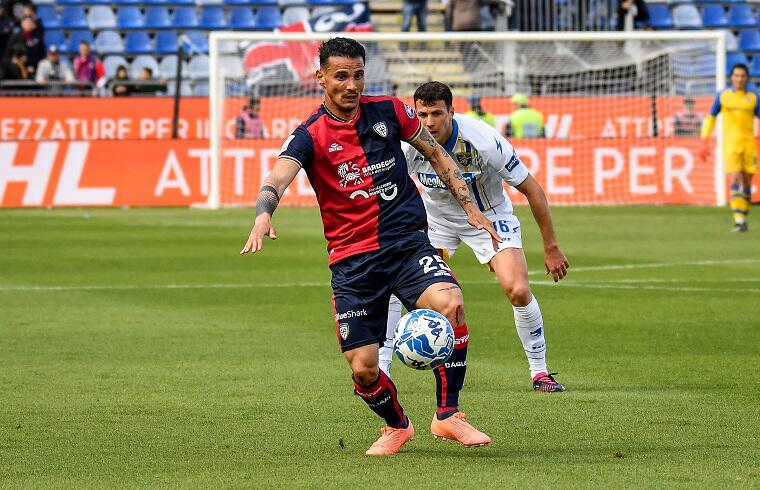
(277,61)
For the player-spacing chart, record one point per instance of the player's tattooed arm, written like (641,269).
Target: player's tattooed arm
(444,166)
(267,201)
(283,173)
(452,177)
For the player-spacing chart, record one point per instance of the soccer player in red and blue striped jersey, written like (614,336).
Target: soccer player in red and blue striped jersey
(375,225)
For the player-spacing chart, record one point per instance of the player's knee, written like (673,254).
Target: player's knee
(365,375)
(453,310)
(519,293)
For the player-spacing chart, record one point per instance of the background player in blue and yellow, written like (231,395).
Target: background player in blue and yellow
(739,108)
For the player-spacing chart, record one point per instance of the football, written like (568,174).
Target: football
(424,339)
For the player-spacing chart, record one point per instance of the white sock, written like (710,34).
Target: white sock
(530,329)
(386,350)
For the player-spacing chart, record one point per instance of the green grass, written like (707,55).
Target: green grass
(110,379)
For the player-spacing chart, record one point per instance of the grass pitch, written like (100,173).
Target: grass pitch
(138,349)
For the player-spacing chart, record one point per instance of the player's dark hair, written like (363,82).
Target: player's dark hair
(343,47)
(740,66)
(431,92)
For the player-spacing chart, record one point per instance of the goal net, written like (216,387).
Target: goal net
(620,112)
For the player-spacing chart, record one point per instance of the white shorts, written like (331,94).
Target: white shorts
(447,234)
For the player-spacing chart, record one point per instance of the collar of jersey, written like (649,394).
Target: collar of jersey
(340,119)
(449,145)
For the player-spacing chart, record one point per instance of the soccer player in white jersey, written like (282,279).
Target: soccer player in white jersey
(485,159)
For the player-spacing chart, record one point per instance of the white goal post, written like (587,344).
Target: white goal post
(640,80)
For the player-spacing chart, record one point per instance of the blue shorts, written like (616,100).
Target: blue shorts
(363,284)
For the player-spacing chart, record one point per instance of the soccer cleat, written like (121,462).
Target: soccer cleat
(740,227)
(391,440)
(546,383)
(456,428)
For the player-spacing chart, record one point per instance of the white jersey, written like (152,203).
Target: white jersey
(485,159)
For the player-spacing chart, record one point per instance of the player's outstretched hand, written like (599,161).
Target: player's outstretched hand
(556,263)
(263,227)
(479,221)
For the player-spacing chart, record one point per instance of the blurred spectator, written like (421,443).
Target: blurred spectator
(120,86)
(464,15)
(249,124)
(416,8)
(7,25)
(52,70)
(688,122)
(524,122)
(32,43)
(631,12)
(146,77)
(477,111)
(15,9)
(87,67)
(16,68)
(30,10)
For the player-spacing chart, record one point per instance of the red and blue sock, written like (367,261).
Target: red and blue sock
(449,378)
(382,398)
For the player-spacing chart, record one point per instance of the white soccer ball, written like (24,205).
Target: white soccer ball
(424,339)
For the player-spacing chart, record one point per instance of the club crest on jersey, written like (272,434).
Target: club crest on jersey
(381,129)
(409,111)
(464,159)
(343,330)
(349,174)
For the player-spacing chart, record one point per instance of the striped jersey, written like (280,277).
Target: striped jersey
(359,174)
(485,159)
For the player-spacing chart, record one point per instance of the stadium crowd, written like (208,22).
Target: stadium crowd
(77,48)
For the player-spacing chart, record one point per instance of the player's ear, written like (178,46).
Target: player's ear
(320,78)
(451,111)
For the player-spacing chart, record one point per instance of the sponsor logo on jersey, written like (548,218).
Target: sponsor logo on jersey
(387,191)
(350,314)
(334,147)
(498,145)
(381,129)
(343,330)
(512,163)
(376,168)
(409,111)
(349,174)
(434,182)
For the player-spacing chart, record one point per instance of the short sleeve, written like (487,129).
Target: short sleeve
(503,158)
(299,147)
(409,123)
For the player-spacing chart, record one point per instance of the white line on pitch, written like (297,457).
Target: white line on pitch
(653,265)
(640,287)
(112,287)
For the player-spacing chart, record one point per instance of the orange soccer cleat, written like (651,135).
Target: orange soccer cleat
(391,440)
(456,428)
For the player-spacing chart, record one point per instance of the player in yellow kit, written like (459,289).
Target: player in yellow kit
(739,108)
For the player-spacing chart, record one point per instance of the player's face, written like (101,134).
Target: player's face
(739,79)
(436,118)
(343,81)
